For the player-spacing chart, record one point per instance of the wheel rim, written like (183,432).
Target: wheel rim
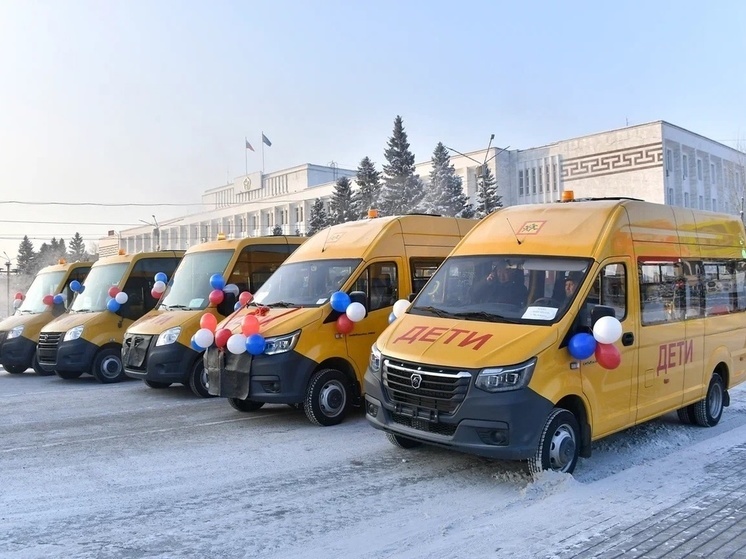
(204,379)
(715,399)
(111,367)
(332,398)
(562,448)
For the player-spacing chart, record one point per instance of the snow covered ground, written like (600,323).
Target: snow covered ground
(90,470)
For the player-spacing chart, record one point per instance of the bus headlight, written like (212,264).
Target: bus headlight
(168,336)
(375,359)
(281,344)
(73,334)
(502,379)
(15,332)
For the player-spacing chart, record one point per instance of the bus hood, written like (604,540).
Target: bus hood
(71,320)
(463,343)
(24,319)
(274,321)
(157,321)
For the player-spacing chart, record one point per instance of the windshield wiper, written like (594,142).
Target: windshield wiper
(436,311)
(486,315)
(282,304)
(173,307)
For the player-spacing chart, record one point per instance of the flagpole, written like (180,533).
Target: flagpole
(262,152)
(246,154)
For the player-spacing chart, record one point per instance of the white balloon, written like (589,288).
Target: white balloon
(204,338)
(355,311)
(121,297)
(159,287)
(236,344)
(400,307)
(231,288)
(607,330)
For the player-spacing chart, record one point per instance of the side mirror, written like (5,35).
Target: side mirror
(599,311)
(360,297)
(226,305)
(411,297)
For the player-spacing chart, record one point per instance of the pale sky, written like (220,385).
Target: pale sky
(148,102)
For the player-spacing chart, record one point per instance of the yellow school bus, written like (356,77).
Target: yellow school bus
(157,347)
(505,377)
(19,333)
(88,339)
(307,361)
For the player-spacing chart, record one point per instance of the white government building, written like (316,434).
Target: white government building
(658,162)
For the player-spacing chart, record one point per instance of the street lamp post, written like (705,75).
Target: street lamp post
(7,267)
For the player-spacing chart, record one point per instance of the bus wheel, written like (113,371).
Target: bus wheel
(707,412)
(328,397)
(402,442)
(198,380)
(69,375)
(559,444)
(686,415)
(107,366)
(156,384)
(37,368)
(15,369)
(244,405)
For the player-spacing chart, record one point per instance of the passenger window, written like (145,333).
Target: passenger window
(422,271)
(380,283)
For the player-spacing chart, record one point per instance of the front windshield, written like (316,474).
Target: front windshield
(503,288)
(97,285)
(191,283)
(43,284)
(305,284)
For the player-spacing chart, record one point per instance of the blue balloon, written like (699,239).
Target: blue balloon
(340,301)
(58,299)
(255,344)
(75,286)
(194,345)
(217,281)
(160,276)
(112,305)
(582,346)
(392,318)
(237,306)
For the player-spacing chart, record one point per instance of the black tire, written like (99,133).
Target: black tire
(686,415)
(707,412)
(69,375)
(37,368)
(245,405)
(15,369)
(559,444)
(402,442)
(107,366)
(155,384)
(328,398)
(198,380)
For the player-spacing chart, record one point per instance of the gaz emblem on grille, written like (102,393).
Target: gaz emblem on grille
(416,380)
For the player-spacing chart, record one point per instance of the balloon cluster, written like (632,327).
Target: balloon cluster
(117,298)
(606,331)
(76,286)
(18,300)
(159,286)
(50,300)
(219,289)
(351,312)
(249,340)
(400,307)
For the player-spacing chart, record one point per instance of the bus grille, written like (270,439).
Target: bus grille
(425,387)
(47,347)
(135,351)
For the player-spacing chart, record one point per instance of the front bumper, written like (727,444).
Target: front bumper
(70,357)
(17,352)
(279,379)
(505,425)
(142,359)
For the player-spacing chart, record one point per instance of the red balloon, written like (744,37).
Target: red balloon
(608,356)
(249,325)
(344,324)
(113,290)
(221,337)
(208,321)
(19,295)
(48,299)
(216,296)
(245,298)
(154,294)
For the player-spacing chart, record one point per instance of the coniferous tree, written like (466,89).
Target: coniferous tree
(25,258)
(340,207)
(445,194)
(76,248)
(369,191)
(277,231)
(488,199)
(318,219)
(402,189)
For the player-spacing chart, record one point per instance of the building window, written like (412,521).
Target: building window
(713,174)
(686,199)
(670,197)
(556,177)
(699,169)
(669,161)
(533,180)
(714,205)
(520,182)
(684,166)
